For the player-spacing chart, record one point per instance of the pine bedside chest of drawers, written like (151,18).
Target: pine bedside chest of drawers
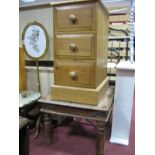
(80,51)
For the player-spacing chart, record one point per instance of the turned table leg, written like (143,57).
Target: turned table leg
(47,128)
(100,138)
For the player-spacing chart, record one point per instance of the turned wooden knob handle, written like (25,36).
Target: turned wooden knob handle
(73,47)
(72,18)
(73,75)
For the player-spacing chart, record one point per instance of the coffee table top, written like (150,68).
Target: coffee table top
(26,97)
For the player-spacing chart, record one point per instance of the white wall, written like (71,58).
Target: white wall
(45,17)
(46,79)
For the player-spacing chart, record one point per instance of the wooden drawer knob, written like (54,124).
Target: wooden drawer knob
(73,47)
(73,18)
(73,75)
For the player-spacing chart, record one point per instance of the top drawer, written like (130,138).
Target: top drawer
(75,17)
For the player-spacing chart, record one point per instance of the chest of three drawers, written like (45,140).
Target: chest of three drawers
(80,48)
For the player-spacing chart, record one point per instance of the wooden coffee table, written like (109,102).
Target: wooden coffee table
(100,114)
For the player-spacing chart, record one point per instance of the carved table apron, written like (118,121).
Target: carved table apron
(100,114)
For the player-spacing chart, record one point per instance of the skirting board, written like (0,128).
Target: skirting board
(80,95)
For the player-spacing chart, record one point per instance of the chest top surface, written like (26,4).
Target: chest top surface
(59,2)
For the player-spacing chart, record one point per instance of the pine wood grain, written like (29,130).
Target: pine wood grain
(84,46)
(84,17)
(102,44)
(84,72)
(80,95)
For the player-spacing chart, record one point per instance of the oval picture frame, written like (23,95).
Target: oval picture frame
(35,40)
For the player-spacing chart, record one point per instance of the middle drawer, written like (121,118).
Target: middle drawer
(74,73)
(81,46)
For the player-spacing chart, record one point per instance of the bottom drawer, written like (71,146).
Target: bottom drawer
(74,73)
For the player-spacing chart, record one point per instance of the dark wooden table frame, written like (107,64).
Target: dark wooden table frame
(24,111)
(100,114)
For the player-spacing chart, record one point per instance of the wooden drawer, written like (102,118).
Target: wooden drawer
(79,46)
(74,17)
(74,73)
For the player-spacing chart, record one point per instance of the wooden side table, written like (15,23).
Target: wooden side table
(27,102)
(100,114)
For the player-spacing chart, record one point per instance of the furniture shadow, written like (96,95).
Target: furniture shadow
(83,130)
